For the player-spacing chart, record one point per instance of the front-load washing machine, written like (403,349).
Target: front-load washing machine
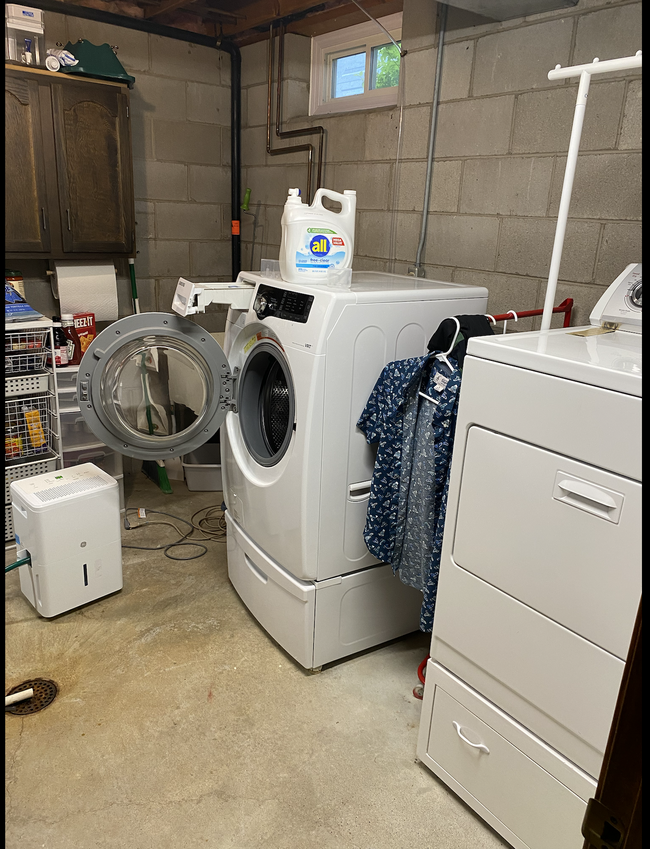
(298,367)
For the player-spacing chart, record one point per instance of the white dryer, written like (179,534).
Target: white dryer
(540,576)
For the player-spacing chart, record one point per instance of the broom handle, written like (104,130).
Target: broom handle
(134,288)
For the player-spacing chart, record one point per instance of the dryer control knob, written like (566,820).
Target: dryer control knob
(260,303)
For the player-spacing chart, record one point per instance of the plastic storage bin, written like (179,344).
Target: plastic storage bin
(66,378)
(102,456)
(68,401)
(202,468)
(75,433)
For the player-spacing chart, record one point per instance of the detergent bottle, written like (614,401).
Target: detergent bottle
(317,244)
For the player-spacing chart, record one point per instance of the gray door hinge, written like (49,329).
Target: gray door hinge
(227,391)
(601,827)
(127,111)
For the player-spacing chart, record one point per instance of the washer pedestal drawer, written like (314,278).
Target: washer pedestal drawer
(529,793)
(318,622)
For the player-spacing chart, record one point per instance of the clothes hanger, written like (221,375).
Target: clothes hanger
(506,322)
(443,357)
(491,317)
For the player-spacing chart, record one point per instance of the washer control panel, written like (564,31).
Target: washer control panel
(621,303)
(281,303)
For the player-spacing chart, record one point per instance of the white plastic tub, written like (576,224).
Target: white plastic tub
(202,468)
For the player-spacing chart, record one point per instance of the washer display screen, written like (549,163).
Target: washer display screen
(281,303)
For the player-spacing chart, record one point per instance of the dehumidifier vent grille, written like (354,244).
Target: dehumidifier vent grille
(72,488)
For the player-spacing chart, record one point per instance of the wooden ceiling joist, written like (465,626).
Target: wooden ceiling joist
(163,8)
(246,21)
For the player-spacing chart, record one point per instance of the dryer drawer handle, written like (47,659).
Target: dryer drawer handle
(359,491)
(588,492)
(480,746)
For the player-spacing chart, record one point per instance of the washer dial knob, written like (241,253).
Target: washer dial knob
(634,295)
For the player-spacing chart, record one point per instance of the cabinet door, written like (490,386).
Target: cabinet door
(94,167)
(26,219)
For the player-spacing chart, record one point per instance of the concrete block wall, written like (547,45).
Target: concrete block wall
(500,152)
(180,125)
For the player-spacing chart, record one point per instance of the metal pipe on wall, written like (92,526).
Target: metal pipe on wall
(432,137)
(286,134)
(193,38)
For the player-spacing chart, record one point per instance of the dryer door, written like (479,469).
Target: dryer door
(154,385)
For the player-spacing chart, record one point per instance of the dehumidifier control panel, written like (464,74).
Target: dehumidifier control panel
(62,484)
(621,303)
(281,303)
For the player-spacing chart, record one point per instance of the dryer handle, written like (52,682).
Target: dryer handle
(359,491)
(588,492)
(599,501)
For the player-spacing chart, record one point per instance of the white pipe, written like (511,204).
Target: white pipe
(565,199)
(18,697)
(584,72)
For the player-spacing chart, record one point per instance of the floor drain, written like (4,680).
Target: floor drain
(44,694)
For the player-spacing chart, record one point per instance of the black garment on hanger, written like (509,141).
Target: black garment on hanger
(470,325)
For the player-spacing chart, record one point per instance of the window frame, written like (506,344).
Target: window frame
(345,42)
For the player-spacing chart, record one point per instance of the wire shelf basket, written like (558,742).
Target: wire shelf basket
(23,384)
(27,427)
(26,340)
(25,362)
(9,523)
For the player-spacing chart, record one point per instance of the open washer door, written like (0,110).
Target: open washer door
(154,385)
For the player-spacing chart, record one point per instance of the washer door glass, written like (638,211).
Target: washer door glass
(266,403)
(154,385)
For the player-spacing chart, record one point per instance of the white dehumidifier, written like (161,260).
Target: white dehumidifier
(68,522)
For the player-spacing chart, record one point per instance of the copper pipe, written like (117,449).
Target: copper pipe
(290,133)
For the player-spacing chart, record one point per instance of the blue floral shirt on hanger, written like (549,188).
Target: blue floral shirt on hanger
(408,493)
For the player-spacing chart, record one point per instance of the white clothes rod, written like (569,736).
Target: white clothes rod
(597,67)
(584,72)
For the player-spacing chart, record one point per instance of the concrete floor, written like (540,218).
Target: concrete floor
(180,723)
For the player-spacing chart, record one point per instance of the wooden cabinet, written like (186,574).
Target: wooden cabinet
(26,204)
(68,167)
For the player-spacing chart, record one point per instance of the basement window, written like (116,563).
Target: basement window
(355,68)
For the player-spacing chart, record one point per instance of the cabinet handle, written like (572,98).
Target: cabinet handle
(67,212)
(43,218)
(480,746)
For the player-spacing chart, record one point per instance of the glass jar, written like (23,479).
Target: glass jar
(74,343)
(15,278)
